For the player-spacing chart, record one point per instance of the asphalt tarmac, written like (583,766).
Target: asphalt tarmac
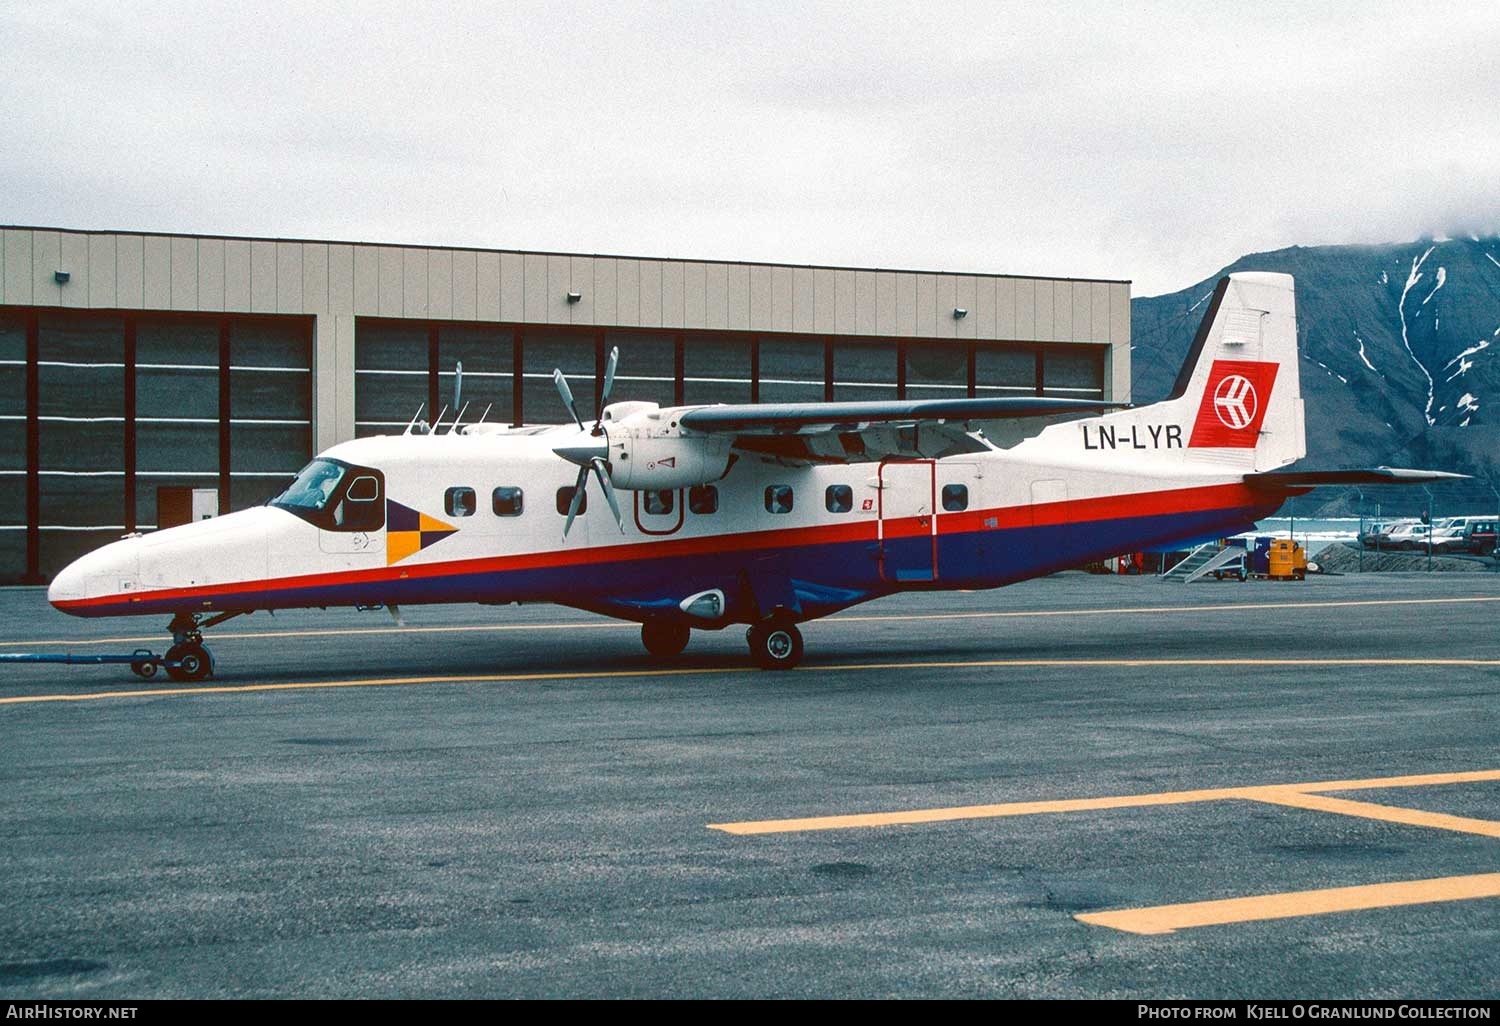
(1301,780)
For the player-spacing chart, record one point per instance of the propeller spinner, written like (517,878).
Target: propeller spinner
(594,456)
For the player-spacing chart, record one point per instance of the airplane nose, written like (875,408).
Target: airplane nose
(67,586)
(103,573)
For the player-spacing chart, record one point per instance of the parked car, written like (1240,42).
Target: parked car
(1410,535)
(1377,534)
(1449,539)
(1478,537)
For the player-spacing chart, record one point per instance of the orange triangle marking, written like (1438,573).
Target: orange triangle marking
(400,544)
(432,525)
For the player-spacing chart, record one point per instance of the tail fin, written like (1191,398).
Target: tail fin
(1239,394)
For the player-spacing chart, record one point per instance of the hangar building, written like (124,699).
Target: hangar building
(151,378)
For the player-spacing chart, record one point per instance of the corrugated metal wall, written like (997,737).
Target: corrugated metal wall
(190,273)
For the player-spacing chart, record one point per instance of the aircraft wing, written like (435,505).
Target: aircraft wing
(815,418)
(859,432)
(1304,479)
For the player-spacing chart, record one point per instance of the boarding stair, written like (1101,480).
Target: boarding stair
(1202,560)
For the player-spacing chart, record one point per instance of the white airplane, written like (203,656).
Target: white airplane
(766,515)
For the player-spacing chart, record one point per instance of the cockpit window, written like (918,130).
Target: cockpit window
(336,496)
(364,489)
(313,488)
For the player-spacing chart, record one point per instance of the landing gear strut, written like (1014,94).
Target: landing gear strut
(188,659)
(664,638)
(775,642)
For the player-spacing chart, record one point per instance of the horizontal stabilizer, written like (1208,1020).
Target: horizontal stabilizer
(799,418)
(1334,478)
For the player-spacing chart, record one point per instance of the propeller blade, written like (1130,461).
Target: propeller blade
(609,378)
(458,383)
(599,466)
(567,396)
(573,507)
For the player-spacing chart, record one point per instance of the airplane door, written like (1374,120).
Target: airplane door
(907,524)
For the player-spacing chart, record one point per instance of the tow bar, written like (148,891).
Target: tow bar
(143,662)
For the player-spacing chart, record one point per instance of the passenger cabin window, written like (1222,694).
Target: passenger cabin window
(659,503)
(506,502)
(336,496)
(779,499)
(839,498)
(459,502)
(703,499)
(565,499)
(955,497)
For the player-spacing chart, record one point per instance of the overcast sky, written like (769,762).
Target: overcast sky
(1115,140)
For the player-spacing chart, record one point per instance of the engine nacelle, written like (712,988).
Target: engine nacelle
(649,451)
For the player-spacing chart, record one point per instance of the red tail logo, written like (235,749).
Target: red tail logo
(1234,404)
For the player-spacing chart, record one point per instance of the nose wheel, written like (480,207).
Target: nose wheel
(189,662)
(775,642)
(188,659)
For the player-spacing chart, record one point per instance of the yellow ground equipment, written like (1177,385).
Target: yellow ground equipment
(1288,561)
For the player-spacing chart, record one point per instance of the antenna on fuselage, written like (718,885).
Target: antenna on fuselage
(438,423)
(458,420)
(414,417)
(485,414)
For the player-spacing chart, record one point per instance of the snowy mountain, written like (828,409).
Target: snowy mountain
(1400,353)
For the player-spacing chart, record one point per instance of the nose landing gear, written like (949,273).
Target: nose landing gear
(189,659)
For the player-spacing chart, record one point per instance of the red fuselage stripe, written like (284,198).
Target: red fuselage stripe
(1140,504)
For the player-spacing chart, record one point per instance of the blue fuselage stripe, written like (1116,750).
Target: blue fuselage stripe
(823,577)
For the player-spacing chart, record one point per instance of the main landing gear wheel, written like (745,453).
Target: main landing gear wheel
(192,662)
(775,643)
(665,639)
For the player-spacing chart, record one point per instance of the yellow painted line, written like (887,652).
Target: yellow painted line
(234,689)
(372,682)
(1292,904)
(1388,813)
(1254,793)
(878,819)
(863,618)
(1418,780)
